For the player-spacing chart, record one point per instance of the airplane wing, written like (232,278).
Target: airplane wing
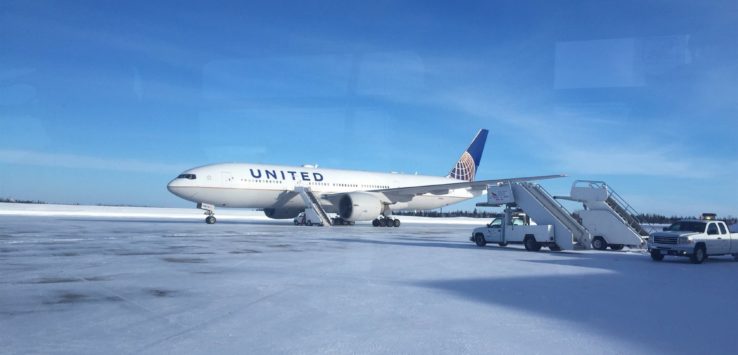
(441,189)
(405,193)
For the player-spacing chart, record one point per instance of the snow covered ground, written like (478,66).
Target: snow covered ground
(93,284)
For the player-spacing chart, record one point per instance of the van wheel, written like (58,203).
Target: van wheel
(531,244)
(599,243)
(617,246)
(656,255)
(699,255)
(504,244)
(479,240)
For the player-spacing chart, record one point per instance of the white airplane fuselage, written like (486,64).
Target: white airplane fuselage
(273,186)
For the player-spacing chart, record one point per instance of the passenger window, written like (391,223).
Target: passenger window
(722,229)
(712,229)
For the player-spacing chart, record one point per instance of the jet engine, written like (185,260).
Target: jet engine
(282,213)
(359,206)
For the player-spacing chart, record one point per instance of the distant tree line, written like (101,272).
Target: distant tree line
(457,213)
(650,218)
(12,200)
(661,219)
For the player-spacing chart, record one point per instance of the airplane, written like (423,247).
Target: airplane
(353,195)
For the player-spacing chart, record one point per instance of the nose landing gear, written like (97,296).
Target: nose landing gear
(209,211)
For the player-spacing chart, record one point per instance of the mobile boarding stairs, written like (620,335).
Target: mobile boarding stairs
(610,219)
(313,210)
(606,221)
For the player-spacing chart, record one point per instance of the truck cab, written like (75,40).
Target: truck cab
(694,238)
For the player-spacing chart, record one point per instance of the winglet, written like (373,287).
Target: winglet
(466,167)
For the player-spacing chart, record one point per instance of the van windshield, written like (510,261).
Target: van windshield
(697,227)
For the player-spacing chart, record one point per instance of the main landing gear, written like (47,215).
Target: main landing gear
(209,211)
(386,222)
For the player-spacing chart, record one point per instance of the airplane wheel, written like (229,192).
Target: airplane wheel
(397,223)
(382,222)
(390,222)
(375,223)
(210,220)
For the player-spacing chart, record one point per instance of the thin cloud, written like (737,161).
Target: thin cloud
(575,145)
(27,157)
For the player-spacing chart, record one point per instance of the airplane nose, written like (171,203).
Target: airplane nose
(171,187)
(177,188)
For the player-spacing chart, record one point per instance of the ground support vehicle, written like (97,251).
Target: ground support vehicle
(697,239)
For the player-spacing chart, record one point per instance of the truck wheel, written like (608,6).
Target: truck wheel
(656,255)
(531,244)
(617,246)
(599,243)
(699,255)
(504,244)
(479,240)
(554,247)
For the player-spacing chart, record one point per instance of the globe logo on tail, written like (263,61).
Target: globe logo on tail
(465,168)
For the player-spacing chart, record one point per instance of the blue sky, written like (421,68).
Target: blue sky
(104,102)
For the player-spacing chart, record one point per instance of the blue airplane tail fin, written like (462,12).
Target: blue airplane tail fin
(466,167)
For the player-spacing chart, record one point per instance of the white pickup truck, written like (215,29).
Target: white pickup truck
(517,231)
(696,239)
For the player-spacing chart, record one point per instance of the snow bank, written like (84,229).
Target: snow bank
(223,214)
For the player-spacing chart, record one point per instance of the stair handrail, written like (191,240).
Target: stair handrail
(578,225)
(614,194)
(611,193)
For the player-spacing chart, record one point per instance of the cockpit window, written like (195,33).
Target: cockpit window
(187,176)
